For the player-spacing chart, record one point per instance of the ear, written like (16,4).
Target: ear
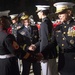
(69,12)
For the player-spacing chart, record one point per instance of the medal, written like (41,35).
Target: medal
(22,33)
(72,41)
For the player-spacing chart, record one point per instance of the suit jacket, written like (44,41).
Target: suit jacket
(45,34)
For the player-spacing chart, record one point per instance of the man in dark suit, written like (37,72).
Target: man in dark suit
(26,36)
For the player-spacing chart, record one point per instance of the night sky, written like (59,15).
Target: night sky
(18,6)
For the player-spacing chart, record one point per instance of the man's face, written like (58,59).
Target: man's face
(14,20)
(26,22)
(63,17)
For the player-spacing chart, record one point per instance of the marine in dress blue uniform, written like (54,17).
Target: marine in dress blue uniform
(64,37)
(14,24)
(28,35)
(45,34)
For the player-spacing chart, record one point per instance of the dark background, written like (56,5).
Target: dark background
(18,6)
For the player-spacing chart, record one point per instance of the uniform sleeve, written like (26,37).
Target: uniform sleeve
(8,43)
(13,47)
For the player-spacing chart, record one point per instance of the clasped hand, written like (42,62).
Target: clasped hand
(32,47)
(39,56)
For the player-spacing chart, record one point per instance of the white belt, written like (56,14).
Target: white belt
(6,56)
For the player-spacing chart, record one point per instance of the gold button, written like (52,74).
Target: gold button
(63,38)
(64,26)
(64,32)
(62,44)
(35,36)
(72,41)
(74,57)
(57,35)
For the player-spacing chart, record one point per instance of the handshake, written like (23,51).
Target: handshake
(32,47)
(38,56)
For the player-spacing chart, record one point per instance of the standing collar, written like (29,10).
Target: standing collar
(44,19)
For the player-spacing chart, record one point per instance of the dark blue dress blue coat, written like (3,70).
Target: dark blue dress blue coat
(45,34)
(64,36)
